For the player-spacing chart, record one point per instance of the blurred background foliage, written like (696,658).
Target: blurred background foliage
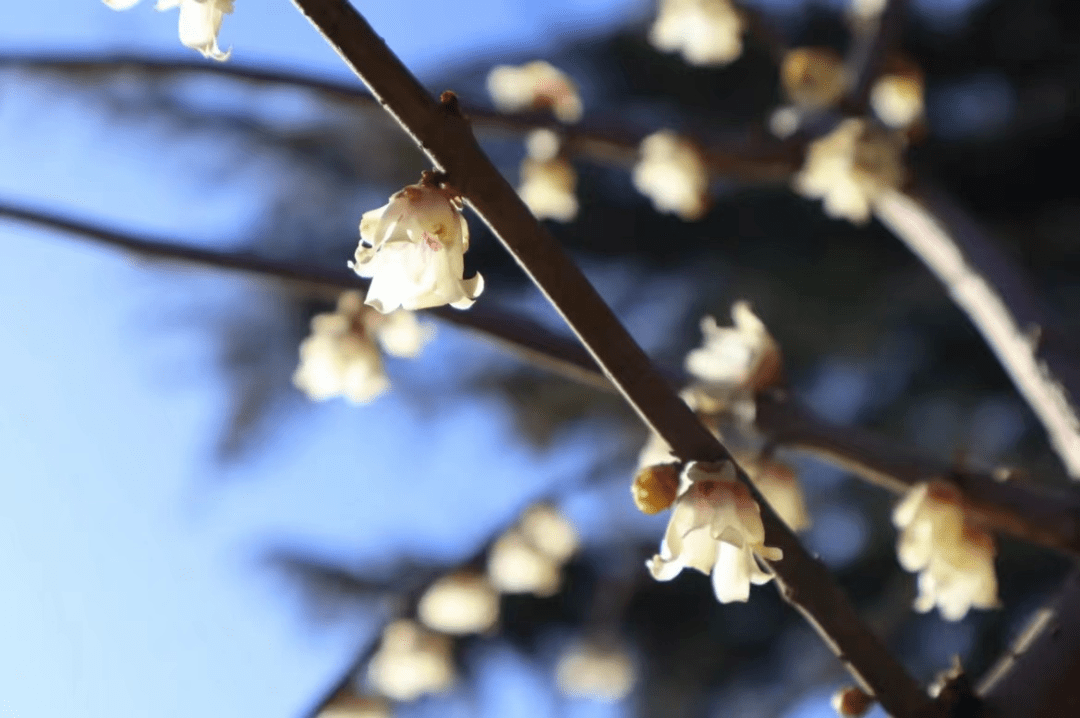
(868,336)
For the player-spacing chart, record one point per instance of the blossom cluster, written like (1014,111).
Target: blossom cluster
(342,357)
(672,173)
(536,85)
(953,557)
(706,32)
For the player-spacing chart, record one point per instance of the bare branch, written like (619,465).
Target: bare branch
(605,143)
(997,298)
(447,139)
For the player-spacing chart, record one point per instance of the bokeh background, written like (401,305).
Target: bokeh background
(182,533)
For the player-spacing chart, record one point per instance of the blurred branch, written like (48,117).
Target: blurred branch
(1000,302)
(871,45)
(1039,674)
(1043,518)
(603,142)
(446,137)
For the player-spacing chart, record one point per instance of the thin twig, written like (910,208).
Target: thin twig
(445,135)
(1040,517)
(871,45)
(602,142)
(999,302)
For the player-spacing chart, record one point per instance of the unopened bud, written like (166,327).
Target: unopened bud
(655,487)
(852,702)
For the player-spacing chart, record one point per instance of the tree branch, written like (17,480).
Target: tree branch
(445,135)
(998,300)
(1044,518)
(605,143)
(870,46)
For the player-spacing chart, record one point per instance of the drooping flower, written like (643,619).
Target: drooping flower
(850,167)
(733,363)
(200,21)
(548,180)
(413,250)
(672,173)
(779,485)
(341,356)
(716,528)
(706,32)
(459,604)
(954,558)
(601,670)
(536,85)
(411,662)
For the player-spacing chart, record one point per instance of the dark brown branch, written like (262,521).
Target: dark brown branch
(600,142)
(447,139)
(1043,518)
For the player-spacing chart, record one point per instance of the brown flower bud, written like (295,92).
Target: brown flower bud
(852,702)
(655,487)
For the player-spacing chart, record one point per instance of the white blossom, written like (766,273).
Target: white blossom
(413,250)
(897,97)
(547,187)
(850,168)
(340,356)
(536,85)
(516,566)
(200,21)
(955,559)
(459,604)
(716,528)
(599,670)
(706,32)
(547,529)
(733,363)
(411,662)
(672,173)
(779,485)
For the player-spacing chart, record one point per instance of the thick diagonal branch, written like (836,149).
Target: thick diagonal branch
(444,134)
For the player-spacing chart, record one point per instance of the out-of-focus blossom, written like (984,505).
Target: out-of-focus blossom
(547,529)
(706,32)
(896,97)
(459,604)
(516,566)
(672,173)
(548,180)
(733,363)
(413,250)
(716,528)
(954,559)
(350,705)
(852,702)
(598,670)
(779,484)
(866,9)
(813,77)
(200,21)
(340,356)
(536,85)
(851,167)
(411,662)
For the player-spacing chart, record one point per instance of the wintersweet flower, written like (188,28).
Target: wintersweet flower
(706,32)
(341,356)
(548,530)
(716,528)
(733,363)
(813,77)
(672,173)
(459,604)
(200,21)
(850,167)
(779,485)
(547,187)
(536,85)
(411,662)
(413,250)
(601,670)
(516,566)
(897,95)
(955,559)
